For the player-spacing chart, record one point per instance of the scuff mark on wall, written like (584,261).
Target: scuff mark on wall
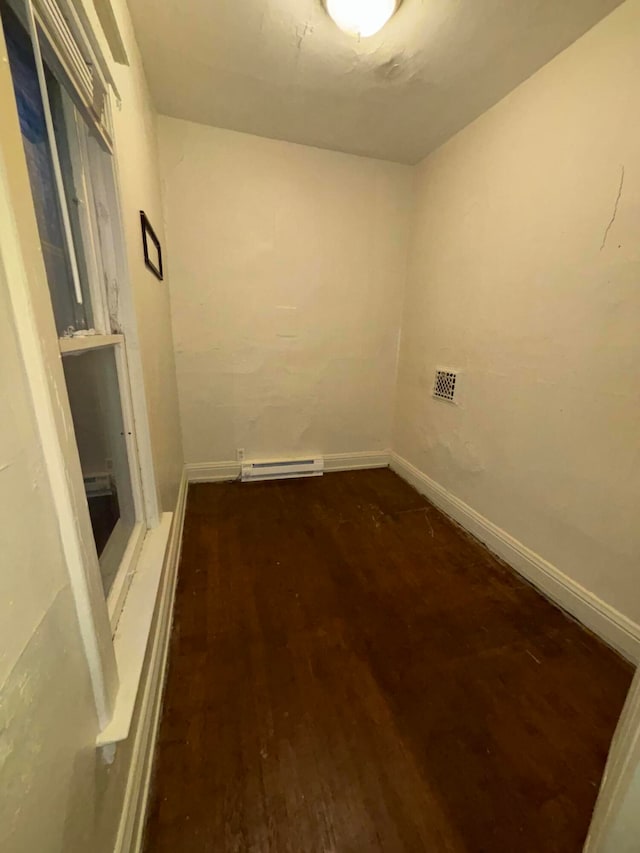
(445,444)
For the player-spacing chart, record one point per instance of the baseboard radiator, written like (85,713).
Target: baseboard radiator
(282,470)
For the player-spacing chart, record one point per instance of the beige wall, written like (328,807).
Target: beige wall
(508,280)
(136,147)
(47,713)
(525,276)
(57,792)
(287,269)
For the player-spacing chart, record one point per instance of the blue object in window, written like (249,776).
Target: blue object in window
(68,313)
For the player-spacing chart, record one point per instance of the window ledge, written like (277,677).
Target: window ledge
(132,634)
(85,342)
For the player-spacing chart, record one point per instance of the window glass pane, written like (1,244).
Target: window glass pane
(69,313)
(103,185)
(94,395)
(64,115)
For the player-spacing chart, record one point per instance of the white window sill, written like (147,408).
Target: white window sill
(86,342)
(132,634)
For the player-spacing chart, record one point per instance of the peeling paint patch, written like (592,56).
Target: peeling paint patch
(392,69)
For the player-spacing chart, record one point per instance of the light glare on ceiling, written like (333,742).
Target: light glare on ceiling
(361,17)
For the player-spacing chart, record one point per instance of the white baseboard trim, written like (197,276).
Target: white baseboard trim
(614,628)
(212,472)
(357,461)
(215,472)
(131,829)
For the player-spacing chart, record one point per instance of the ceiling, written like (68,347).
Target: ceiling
(282,69)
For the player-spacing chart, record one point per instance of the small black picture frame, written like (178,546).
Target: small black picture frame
(154,260)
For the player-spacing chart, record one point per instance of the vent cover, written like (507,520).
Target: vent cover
(444,386)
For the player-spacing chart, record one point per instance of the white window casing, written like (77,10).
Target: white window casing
(59,38)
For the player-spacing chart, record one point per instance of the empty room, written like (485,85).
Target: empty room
(320,447)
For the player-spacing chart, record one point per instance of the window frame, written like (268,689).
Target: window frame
(21,263)
(80,170)
(116,596)
(87,174)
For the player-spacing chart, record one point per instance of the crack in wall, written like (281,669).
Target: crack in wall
(301,34)
(615,211)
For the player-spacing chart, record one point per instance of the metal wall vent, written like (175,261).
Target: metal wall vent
(444,386)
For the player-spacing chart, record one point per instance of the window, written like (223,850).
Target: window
(69,305)
(93,386)
(64,121)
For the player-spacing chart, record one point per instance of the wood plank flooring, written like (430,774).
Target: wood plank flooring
(351,673)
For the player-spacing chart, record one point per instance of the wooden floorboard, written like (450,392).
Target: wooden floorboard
(350,672)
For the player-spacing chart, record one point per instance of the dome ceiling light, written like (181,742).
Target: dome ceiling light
(361,18)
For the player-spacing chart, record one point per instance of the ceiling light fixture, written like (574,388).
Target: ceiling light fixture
(361,18)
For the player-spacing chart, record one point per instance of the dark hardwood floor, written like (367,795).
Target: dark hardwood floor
(350,672)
